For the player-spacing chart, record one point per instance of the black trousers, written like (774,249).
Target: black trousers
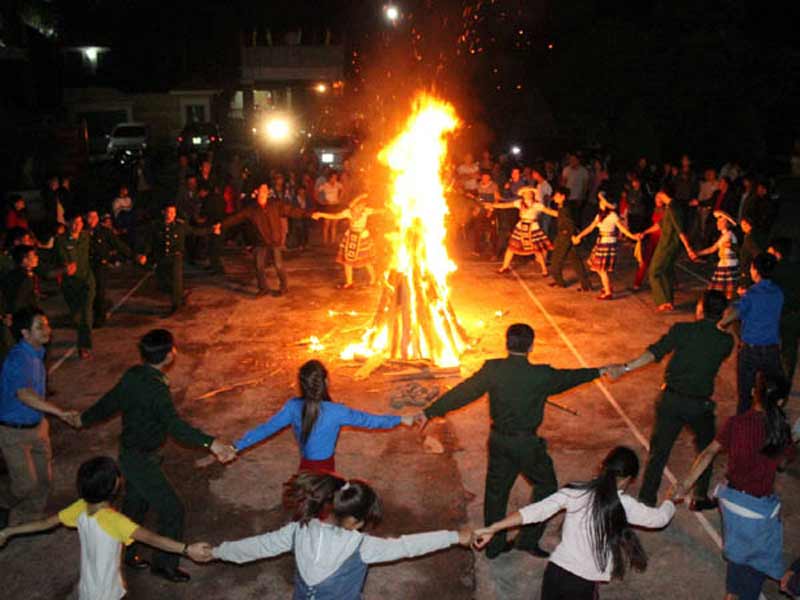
(264,256)
(169,274)
(749,361)
(560,584)
(147,487)
(565,252)
(509,457)
(100,297)
(675,411)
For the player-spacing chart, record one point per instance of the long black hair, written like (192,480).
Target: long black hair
(610,532)
(778,434)
(313,380)
(311,495)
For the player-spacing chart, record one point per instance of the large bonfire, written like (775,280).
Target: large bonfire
(415,319)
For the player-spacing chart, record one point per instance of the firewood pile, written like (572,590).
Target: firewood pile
(413,394)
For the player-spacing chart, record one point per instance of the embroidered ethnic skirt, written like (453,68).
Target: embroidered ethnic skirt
(603,257)
(725,279)
(526,241)
(355,249)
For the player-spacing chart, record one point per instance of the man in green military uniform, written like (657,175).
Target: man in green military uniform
(517,391)
(104,248)
(787,276)
(148,416)
(753,244)
(662,267)
(77,284)
(166,247)
(698,350)
(563,248)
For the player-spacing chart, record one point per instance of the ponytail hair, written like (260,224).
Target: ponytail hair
(313,379)
(610,532)
(777,432)
(312,495)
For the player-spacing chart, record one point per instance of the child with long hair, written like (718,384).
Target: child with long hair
(758,442)
(331,554)
(528,237)
(356,248)
(597,541)
(604,254)
(316,421)
(103,531)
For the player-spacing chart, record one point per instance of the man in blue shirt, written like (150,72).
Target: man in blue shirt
(24,432)
(760,313)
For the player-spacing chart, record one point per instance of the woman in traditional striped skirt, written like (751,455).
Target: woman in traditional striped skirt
(528,238)
(604,254)
(356,249)
(726,275)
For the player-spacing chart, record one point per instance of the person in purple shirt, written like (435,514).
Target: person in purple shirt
(24,431)
(316,421)
(759,311)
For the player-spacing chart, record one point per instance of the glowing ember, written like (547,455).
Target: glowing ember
(314,345)
(414,319)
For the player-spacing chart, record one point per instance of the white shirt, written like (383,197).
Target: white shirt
(577,181)
(321,548)
(102,537)
(330,193)
(468,176)
(727,249)
(529,212)
(121,203)
(607,226)
(544,191)
(575,552)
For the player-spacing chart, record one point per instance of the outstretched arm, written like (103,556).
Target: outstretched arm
(381,550)
(465,392)
(710,250)
(278,421)
(700,465)
(344,214)
(533,513)
(258,546)
(549,211)
(31,527)
(576,239)
(626,231)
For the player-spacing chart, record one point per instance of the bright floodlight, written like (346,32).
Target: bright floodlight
(516,150)
(278,129)
(321,88)
(391,12)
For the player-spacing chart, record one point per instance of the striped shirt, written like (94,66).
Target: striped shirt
(749,470)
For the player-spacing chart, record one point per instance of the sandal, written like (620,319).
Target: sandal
(605,296)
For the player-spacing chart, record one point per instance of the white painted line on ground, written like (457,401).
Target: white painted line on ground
(692,273)
(709,529)
(72,349)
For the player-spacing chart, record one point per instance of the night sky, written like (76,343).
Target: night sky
(716,78)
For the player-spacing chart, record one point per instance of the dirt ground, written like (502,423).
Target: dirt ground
(227,336)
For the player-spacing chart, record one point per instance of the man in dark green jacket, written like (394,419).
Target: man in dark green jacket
(148,416)
(105,248)
(698,351)
(77,284)
(563,249)
(517,392)
(165,246)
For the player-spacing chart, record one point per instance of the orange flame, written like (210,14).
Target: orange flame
(415,319)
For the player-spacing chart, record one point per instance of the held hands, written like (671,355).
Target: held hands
(466,537)
(576,239)
(200,552)
(481,537)
(677,493)
(224,453)
(72,418)
(216,229)
(316,216)
(613,372)
(408,420)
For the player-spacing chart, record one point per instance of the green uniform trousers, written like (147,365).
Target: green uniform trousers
(673,412)
(169,274)
(100,306)
(147,487)
(79,295)
(565,252)
(662,273)
(510,456)
(790,336)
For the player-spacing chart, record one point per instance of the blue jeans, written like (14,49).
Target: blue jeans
(752,359)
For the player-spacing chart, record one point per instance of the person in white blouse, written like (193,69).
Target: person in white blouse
(726,275)
(604,254)
(528,237)
(597,540)
(356,249)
